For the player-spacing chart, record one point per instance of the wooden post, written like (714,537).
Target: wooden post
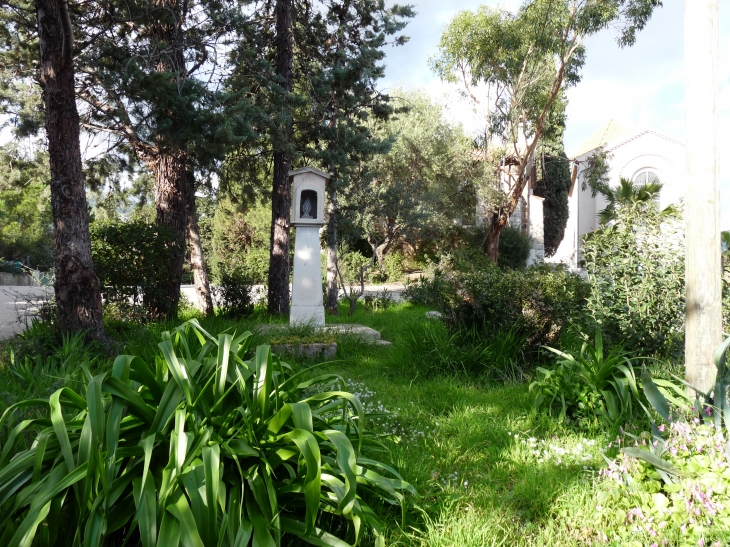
(703,274)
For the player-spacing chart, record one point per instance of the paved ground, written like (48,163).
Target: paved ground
(19,304)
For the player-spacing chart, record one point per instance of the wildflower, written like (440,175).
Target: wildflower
(661,428)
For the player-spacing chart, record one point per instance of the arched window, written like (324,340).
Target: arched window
(647,175)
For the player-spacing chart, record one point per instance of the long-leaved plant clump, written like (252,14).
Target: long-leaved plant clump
(199,448)
(591,385)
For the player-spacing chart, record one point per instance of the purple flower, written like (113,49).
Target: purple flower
(661,428)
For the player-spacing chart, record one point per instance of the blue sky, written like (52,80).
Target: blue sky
(641,85)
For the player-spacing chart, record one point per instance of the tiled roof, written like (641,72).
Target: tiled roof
(612,130)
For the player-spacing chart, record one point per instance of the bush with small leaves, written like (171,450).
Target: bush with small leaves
(134,263)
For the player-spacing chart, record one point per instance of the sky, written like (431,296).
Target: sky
(641,85)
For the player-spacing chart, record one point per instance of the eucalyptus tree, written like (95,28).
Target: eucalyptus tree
(523,61)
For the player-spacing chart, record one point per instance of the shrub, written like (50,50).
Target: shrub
(134,262)
(675,481)
(200,447)
(240,241)
(380,301)
(589,386)
(635,268)
(541,301)
(393,265)
(514,248)
(233,295)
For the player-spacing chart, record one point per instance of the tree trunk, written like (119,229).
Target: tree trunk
(278,293)
(77,290)
(170,172)
(332,290)
(495,228)
(197,263)
(703,270)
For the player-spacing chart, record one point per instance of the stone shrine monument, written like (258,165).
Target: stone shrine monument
(307,305)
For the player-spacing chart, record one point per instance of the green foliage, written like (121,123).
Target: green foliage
(553,180)
(590,386)
(540,301)
(233,295)
(675,481)
(393,264)
(380,301)
(694,509)
(635,267)
(415,190)
(489,354)
(200,447)
(133,261)
(239,244)
(351,263)
(26,221)
(514,248)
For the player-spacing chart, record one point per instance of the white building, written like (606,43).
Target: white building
(637,155)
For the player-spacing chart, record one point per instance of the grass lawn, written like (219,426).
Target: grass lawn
(489,471)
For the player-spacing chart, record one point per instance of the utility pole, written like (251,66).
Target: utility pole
(703,270)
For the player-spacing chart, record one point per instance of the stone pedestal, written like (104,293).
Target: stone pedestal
(306,297)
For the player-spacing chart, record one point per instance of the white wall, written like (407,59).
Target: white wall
(629,155)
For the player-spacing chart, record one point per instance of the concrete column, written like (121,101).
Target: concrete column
(306,303)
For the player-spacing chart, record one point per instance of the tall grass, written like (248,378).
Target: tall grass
(493,355)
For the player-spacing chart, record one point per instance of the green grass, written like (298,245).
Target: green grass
(463,442)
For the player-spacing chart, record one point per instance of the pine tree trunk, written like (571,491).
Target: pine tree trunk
(332,290)
(703,270)
(170,172)
(197,263)
(278,292)
(77,290)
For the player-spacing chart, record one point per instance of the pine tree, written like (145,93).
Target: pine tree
(77,289)
(343,64)
(151,78)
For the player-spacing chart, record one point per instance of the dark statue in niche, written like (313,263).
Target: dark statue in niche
(308,204)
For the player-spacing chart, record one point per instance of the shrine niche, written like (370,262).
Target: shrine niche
(308,208)
(308,186)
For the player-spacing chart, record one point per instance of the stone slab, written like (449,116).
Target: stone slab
(365,334)
(327,351)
